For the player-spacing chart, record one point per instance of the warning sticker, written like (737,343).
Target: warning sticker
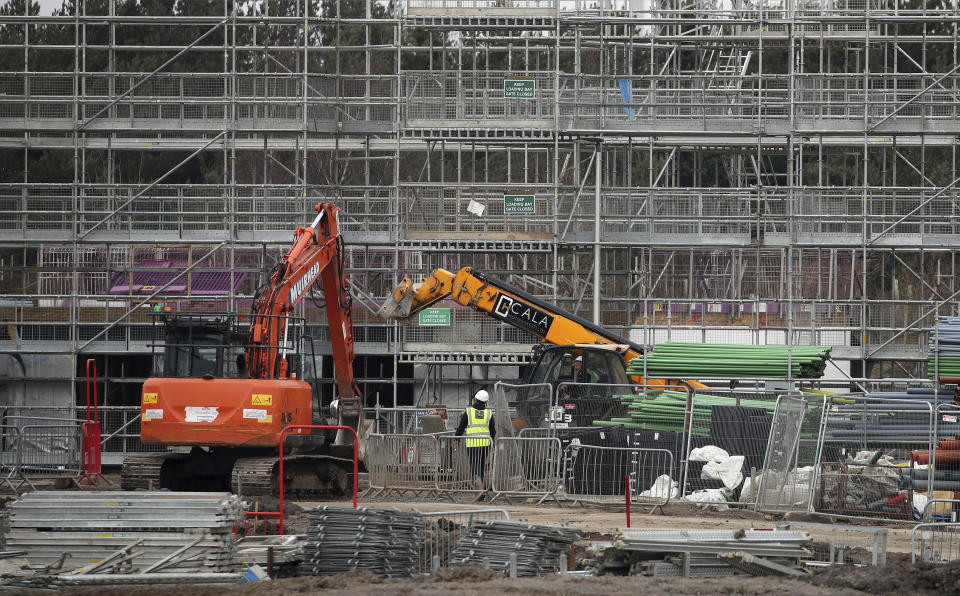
(949,418)
(149,398)
(261,399)
(200,414)
(254,414)
(153,414)
(266,419)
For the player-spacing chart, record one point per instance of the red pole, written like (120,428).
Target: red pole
(626,484)
(356,455)
(92,362)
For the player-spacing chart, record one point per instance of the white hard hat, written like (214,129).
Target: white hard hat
(482,395)
(578,359)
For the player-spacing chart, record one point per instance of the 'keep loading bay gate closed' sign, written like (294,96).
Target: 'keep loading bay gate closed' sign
(519,88)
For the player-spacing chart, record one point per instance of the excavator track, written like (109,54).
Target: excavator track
(142,472)
(254,476)
(305,476)
(321,477)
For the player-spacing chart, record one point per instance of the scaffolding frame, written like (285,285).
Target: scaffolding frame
(707,170)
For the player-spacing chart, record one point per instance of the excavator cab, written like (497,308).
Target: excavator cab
(203,346)
(210,346)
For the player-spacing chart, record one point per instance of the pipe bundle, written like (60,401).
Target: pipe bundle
(665,410)
(943,353)
(675,359)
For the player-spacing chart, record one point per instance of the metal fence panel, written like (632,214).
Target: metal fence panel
(602,474)
(861,441)
(935,543)
(530,404)
(402,463)
(738,422)
(9,454)
(460,470)
(785,483)
(583,404)
(442,530)
(49,449)
(530,467)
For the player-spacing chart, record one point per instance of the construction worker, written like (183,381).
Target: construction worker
(476,423)
(591,376)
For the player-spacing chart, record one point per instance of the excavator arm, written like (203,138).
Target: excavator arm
(316,253)
(505,302)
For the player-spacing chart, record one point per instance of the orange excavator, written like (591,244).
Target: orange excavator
(224,388)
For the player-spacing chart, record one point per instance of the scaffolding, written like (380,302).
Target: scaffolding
(762,171)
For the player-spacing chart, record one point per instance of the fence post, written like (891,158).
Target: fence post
(91,435)
(626,492)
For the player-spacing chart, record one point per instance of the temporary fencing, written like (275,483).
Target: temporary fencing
(9,455)
(726,439)
(601,474)
(527,467)
(49,449)
(402,464)
(462,469)
(941,510)
(861,440)
(592,404)
(443,529)
(935,543)
(528,403)
(785,481)
(34,447)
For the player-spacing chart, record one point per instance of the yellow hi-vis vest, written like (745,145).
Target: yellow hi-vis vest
(478,427)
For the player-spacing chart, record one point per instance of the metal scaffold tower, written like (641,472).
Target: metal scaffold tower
(726,171)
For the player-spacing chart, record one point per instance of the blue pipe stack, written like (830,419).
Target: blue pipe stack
(882,422)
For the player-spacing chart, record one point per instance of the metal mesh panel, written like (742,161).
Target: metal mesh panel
(527,467)
(447,99)
(861,441)
(784,483)
(737,422)
(604,474)
(402,463)
(935,543)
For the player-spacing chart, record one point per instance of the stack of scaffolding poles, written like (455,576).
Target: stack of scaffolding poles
(674,359)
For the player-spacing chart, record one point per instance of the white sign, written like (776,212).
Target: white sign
(254,414)
(200,414)
(475,208)
(153,414)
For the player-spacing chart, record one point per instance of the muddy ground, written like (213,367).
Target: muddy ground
(596,523)
(839,581)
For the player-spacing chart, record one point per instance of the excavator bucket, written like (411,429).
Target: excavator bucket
(398,305)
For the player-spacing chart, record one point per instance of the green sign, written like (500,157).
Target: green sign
(518,204)
(519,88)
(435,317)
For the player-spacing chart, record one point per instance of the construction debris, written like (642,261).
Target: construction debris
(518,549)
(384,542)
(692,553)
(131,532)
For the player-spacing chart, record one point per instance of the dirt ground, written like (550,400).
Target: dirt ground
(474,580)
(597,524)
